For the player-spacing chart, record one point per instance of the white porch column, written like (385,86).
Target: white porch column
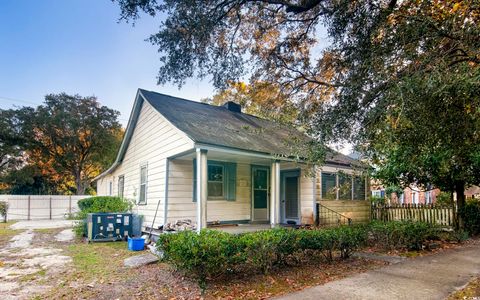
(202,173)
(275,194)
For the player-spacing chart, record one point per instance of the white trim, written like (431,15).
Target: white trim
(202,193)
(221,197)
(144,165)
(252,195)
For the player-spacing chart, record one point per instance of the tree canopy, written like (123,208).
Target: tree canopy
(260,99)
(398,79)
(67,141)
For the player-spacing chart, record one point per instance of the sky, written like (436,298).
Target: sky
(79,47)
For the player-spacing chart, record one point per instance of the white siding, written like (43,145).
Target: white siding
(153,140)
(180,195)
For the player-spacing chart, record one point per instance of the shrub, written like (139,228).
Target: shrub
(97,205)
(206,255)
(471,215)
(444,199)
(103,204)
(4,210)
(402,234)
(212,253)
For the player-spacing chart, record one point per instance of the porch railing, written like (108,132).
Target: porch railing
(329,217)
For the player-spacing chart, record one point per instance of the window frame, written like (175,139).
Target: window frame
(121,178)
(324,193)
(221,197)
(110,188)
(144,202)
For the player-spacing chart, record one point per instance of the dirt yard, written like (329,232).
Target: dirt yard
(51,264)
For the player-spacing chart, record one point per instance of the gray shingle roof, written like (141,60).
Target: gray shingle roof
(216,125)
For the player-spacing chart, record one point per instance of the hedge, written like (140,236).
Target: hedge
(471,214)
(212,253)
(97,205)
(408,235)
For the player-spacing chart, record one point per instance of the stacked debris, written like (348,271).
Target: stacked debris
(179,225)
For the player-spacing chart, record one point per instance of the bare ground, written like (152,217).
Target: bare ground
(55,267)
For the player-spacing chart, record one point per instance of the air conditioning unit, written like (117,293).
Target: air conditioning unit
(102,227)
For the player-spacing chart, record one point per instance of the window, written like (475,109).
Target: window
(329,186)
(221,180)
(110,188)
(402,198)
(215,181)
(121,184)
(344,186)
(142,199)
(359,188)
(414,197)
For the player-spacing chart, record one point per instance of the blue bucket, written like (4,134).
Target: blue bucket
(136,243)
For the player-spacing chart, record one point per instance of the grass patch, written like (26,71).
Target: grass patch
(36,275)
(46,230)
(98,260)
(6,233)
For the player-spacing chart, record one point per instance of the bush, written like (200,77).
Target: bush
(4,210)
(471,215)
(444,199)
(212,253)
(206,255)
(98,205)
(103,204)
(402,234)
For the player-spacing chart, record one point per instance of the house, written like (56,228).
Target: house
(411,195)
(181,159)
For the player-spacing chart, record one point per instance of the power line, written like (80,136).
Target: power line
(18,100)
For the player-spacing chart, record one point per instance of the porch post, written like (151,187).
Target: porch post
(201,189)
(275,194)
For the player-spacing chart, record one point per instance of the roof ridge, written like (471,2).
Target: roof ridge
(206,104)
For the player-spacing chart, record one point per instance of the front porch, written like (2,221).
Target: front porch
(224,186)
(241,228)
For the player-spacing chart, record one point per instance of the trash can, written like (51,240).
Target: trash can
(136,243)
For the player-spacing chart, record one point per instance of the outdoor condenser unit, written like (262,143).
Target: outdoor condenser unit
(103,227)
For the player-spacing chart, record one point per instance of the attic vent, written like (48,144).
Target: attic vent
(232,106)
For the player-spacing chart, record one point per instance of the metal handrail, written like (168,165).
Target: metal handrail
(328,217)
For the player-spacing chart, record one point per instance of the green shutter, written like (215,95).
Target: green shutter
(231,180)
(194,180)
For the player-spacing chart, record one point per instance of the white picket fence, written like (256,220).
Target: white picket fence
(41,207)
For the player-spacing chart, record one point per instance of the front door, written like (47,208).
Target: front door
(290,197)
(260,188)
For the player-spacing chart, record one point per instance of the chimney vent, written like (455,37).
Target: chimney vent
(232,106)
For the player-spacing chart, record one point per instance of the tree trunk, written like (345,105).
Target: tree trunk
(78,183)
(460,191)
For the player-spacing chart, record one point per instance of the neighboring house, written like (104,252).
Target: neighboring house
(410,195)
(182,159)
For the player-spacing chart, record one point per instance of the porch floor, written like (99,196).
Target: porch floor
(241,228)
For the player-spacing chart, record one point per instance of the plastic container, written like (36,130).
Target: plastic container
(136,243)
